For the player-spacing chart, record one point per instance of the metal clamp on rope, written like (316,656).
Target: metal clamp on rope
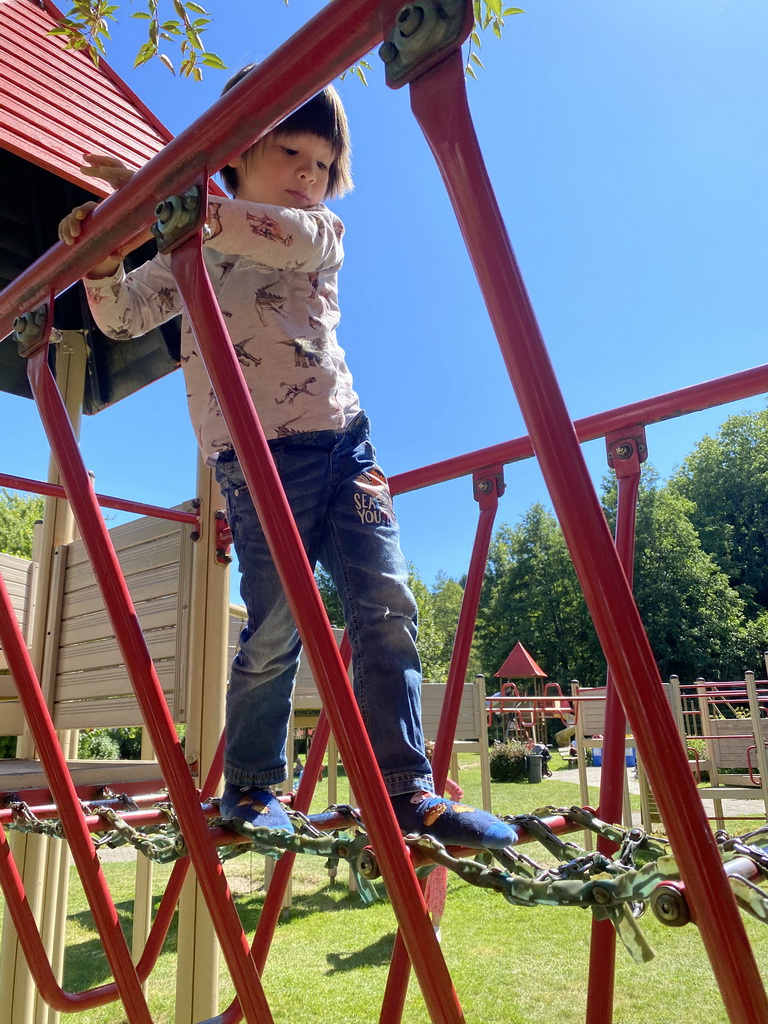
(178,217)
(424,33)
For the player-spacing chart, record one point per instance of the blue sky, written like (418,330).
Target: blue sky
(628,146)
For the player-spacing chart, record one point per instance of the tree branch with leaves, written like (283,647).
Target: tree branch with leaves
(86,27)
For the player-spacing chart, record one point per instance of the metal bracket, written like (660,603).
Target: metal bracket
(178,217)
(223,538)
(31,330)
(626,449)
(424,33)
(488,484)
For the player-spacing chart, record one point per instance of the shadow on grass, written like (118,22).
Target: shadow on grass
(377,954)
(85,964)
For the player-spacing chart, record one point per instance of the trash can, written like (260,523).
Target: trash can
(533,763)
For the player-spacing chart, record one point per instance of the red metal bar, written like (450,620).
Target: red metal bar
(695,398)
(324,48)
(149,694)
(439,101)
(312,621)
(94,884)
(602,953)
(486,491)
(20,483)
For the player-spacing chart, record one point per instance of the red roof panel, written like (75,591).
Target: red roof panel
(56,105)
(520,665)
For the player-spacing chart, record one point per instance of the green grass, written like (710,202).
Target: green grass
(328,963)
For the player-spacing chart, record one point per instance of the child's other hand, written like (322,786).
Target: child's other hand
(70,229)
(72,225)
(108,168)
(115,172)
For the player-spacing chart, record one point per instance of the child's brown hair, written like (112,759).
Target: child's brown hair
(324,116)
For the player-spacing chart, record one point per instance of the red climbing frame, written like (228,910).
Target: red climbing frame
(340,35)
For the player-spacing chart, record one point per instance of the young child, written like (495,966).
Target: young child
(273,257)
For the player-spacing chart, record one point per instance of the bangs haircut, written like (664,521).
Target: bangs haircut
(323,116)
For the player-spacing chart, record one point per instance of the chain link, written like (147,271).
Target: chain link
(611,888)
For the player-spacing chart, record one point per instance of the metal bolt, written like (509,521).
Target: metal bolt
(601,896)
(670,907)
(624,451)
(191,201)
(388,52)
(485,486)
(164,211)
(409,20)
(368,865)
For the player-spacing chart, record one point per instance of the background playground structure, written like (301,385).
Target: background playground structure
(600,563)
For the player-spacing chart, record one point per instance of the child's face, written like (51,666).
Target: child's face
(285,170)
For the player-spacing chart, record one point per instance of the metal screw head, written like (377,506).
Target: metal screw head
(368,865)
(601,896)
(20,324)
(670,907)
(387,52)
(409,20)
(624,451)
(164,211)
(191,201)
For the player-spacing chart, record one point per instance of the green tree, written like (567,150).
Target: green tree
(447,596)
(726,479)
(694,619)
(428,642)
(330,596)
(18,515)
(531,594)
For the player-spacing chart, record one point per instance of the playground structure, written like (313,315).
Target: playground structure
(424,54)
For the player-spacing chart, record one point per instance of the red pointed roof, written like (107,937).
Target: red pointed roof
(56,104)
(520,665)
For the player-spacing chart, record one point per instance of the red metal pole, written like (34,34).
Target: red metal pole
(312,621)
(625,457)
(439,102)
(149,694)
(100,900)
(21,483)
(711,393)
(487,490)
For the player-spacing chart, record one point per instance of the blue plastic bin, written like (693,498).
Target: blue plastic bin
(630,757)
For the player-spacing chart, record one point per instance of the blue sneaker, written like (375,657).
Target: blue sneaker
(452,824)
(258,807)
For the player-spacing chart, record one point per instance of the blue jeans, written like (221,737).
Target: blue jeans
(343,510)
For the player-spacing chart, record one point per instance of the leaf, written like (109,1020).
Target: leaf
(196,8)
(512,10)
(212,60)
(168,62)
(470,72)
(360,74)
(494,5)
(476,59)
(146,52)
(144,15)
(475,39)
